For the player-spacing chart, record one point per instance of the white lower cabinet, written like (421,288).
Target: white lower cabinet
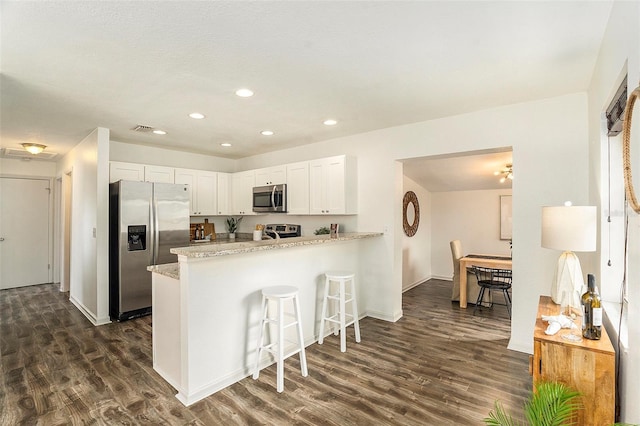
(203,187)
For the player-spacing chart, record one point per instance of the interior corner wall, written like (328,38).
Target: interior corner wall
(89,224)
(473,217)
(619,55)
(416,250)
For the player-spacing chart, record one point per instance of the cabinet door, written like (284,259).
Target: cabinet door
(125,171)
(588,371)
(317,187)
(278,175)
(159,174)
(242,192)
(335,186)
(224,187)
(271,176)
(188,177)
(206,197)
(298,188)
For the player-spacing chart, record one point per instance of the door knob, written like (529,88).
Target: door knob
(1,238)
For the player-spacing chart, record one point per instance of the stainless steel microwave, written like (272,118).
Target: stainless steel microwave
(270,199)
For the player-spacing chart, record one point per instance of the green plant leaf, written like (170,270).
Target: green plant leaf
(498,417)
(552,404)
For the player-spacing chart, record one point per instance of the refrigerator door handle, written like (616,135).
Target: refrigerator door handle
(156,229)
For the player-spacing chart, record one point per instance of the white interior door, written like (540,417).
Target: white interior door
(24,232)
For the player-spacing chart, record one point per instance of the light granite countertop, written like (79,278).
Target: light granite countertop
(226,248)
(171,270)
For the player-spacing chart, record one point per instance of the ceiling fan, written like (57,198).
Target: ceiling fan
(506,173)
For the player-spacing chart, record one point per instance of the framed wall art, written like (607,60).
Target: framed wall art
(505,217)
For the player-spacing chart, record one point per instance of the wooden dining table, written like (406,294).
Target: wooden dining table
(485,260)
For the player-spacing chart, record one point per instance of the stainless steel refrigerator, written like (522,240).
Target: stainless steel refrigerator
(145,220)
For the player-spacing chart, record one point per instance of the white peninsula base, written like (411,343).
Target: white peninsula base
(206,308)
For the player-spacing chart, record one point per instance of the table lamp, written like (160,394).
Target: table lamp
(569,228)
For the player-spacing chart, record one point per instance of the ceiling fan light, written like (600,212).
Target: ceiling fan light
(34,148)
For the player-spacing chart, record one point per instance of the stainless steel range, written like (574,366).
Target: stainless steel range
(282,230)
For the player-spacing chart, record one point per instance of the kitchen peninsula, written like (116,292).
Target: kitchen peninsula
(206,307)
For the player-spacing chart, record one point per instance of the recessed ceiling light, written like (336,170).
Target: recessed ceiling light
(330,122)
(159,132)
(196,115)
(244,93)
(225,144)
(266,133)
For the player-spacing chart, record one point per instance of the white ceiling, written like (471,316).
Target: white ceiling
(69,67)
(468,172)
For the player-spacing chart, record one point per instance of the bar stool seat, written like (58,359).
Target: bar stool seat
(280,294)
(346,293)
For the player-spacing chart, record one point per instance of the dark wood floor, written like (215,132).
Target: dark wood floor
(438,365)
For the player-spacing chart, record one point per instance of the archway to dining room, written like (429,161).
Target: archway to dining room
(458,196)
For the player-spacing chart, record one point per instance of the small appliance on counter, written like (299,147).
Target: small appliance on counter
(282,230)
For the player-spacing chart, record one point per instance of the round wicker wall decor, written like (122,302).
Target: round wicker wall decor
(410,198)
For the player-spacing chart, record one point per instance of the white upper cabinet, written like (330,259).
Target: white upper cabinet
(271,175)
(224,193)
(298,188)
(159,174)
(206,193)
(203,187)
(188,177)
(242,184)
(333,185)
(125,171)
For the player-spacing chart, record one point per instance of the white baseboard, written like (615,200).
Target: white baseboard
(87,313)
(384,317)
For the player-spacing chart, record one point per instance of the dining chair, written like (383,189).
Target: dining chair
(493,279)
(472,284)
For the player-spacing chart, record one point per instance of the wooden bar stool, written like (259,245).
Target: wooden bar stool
(280,294)
(340,317)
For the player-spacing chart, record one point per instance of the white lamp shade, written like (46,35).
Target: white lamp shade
(571,228)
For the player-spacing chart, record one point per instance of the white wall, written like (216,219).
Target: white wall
(88,163)
(416,250)
(473,217)
(34,168)
(132,153)
(620,54)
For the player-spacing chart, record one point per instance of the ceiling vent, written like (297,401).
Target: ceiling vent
(142,129)
(615,111)
(21,153)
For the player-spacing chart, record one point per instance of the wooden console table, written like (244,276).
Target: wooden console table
(587,366)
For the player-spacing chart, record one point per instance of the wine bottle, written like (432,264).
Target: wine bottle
(591,311)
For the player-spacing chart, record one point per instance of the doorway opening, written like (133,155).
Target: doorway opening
(461,198)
